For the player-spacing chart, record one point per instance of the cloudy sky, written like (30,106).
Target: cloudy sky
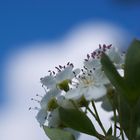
(37,35)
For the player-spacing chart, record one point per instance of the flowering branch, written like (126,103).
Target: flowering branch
(107,76)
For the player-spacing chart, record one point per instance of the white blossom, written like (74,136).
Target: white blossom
(43,112)
(65,74)
(90,85)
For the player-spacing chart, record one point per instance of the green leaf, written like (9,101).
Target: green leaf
(113,75)
(132,70)
(58,134)
(77,120)
(109,132)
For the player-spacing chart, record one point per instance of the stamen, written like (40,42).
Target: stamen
(90,71)
(88,56)
(33,99)
(71,65)
(104,46)
(35,108)
(109,46)
(39,95)
(68,63)
(85,68)
(100,46)
(58,69)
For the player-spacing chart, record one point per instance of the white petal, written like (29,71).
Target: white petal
(100,77)
(65,74)
(65,103)
(95,93)
(74,94)
(48,81)
(115,55)
(76,71)
(41,116)
(48,96)
(54,119)
(92,63)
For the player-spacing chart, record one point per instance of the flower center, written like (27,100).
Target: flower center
(87,81)
(64,85)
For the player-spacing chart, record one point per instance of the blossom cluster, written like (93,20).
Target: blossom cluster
(69,87)
(107,76)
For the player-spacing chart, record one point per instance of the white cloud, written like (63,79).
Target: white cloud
(26,66)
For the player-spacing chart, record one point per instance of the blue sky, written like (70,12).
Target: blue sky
(22,22)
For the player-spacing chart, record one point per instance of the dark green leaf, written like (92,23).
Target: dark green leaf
(132,70)
(77,120)
(58,134)
(113,75)
(109,132)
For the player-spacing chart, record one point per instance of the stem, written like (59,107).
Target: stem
(98,118)
(99,136)
(120,120)
(115,122)
(91,112)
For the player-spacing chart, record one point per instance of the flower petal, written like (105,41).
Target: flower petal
(65,74)
(41,116)
(54,119)
(48,81)
(48,96)
(92,63)
(74,94)
(95,93)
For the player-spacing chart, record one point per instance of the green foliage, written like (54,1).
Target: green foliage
(123,97)
(77,120)
(113,75)
(109,132)
(58,134)
(128,89)
(132,70)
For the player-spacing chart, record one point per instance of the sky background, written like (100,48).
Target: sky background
(33,31)
(23,22)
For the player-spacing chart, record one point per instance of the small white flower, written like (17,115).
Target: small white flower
(43,112)
(90,85)
(53,93)
(65,74)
